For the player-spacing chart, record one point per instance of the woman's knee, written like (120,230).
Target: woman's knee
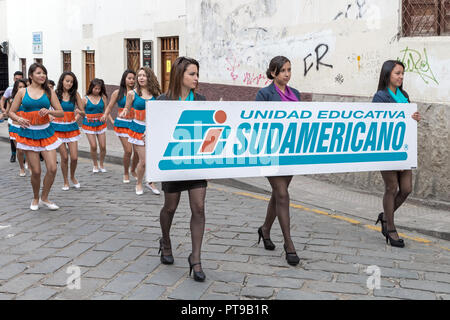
(127,154)
(169,210)
(73,159)
(390,188)
(281,195)
(405,191)
(35,172)
(64,157)
(51,169)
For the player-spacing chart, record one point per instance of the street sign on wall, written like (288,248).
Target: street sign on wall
(37,43)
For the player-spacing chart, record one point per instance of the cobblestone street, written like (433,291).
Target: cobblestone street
(112,235)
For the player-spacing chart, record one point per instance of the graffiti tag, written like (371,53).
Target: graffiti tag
(418,63)
(319,57)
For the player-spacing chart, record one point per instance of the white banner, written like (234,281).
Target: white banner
(218,139)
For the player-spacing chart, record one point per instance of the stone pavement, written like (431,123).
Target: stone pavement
(112,236)
(337,199)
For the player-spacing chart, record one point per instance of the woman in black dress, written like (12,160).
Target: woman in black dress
(280,72)
(397,184)
(183,83)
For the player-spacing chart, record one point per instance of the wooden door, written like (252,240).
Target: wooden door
(89,67)
(169,53)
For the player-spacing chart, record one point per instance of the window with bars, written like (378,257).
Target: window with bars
(67,61)
(133,54)
(422,18)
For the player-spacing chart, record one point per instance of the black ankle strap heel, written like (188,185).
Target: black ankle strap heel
(198,275)
(165,259)
(291,257)
(394,243)
(383,222)
(268,244)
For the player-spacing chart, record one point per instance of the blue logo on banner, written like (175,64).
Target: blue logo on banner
(199,133)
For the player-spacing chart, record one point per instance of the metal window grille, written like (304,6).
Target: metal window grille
(67,61)
(423,18)
(133,54)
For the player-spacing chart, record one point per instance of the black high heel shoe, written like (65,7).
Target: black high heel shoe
(198,275)
(383,227)
(394,243)
(268,244)
(292,258)
(164,259)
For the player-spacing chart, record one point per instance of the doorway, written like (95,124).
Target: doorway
(169,53)
(89,58)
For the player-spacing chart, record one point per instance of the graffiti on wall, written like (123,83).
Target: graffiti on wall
(356,9)
(361,9)
(368,62)
(238,45)
(417,62)
(321,51)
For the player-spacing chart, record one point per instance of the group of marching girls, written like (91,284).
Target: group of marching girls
(44,120)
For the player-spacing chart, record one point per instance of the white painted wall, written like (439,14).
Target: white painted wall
(61,22)
(234,41)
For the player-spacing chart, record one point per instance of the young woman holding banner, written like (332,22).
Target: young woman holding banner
(398,184)
(183,83)
(280,72)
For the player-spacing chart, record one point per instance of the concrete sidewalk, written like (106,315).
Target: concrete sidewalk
(355,204)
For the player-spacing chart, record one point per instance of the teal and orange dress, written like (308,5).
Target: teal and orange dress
(40,135)
(66,128)
(91,122)
(122,125)
(137,128)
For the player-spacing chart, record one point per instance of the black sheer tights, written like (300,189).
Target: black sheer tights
(279,207)
(398,185)
(197,204)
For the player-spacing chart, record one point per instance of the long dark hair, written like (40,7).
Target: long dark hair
(16,87)
(44,86)
(275,66)
(385,75)
(123,83)
(100,83)
(72,91)
(176,76)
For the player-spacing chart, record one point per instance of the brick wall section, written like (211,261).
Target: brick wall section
(217,92)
